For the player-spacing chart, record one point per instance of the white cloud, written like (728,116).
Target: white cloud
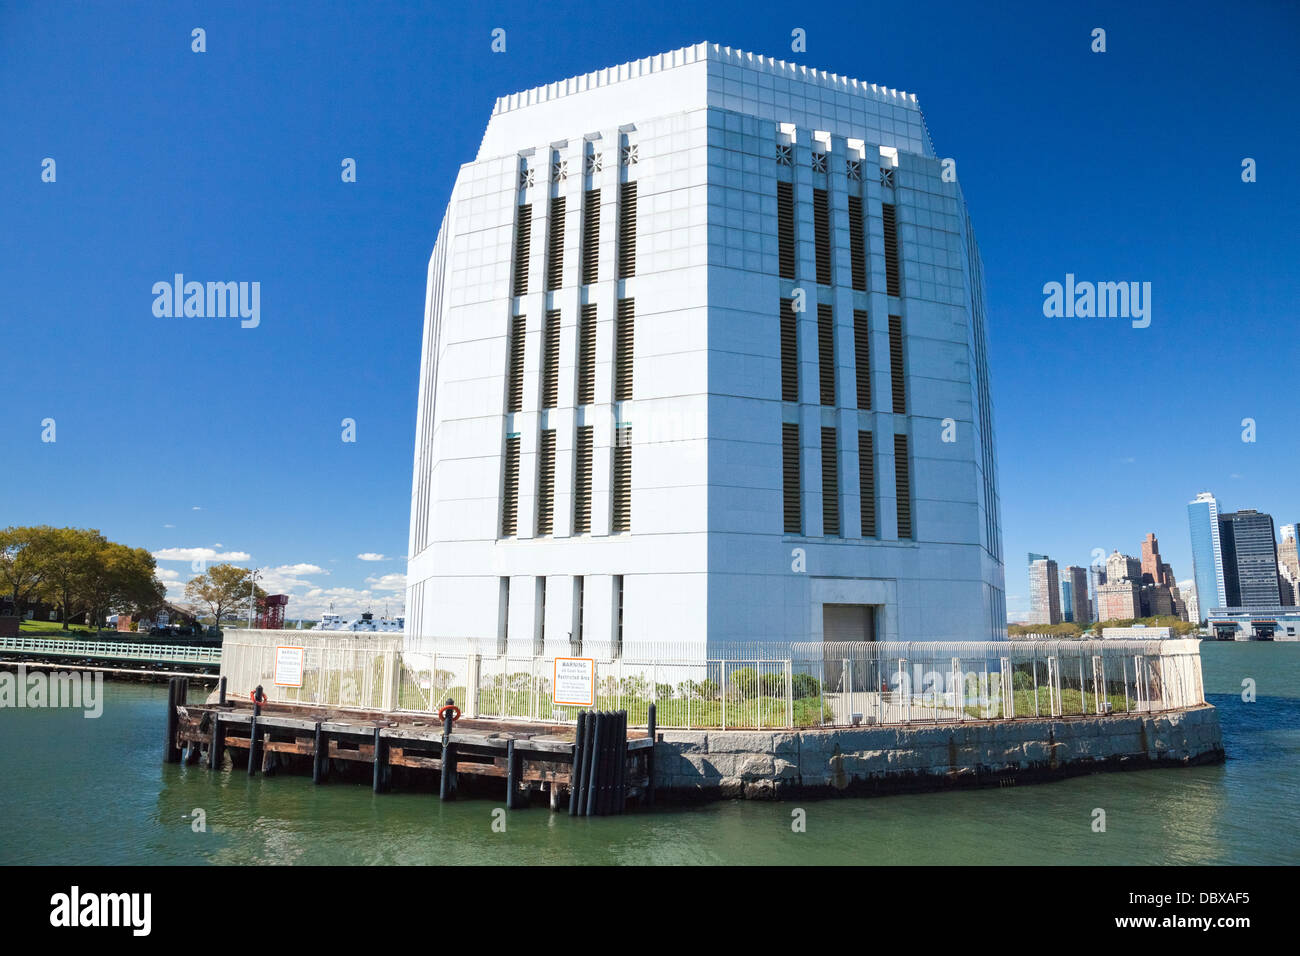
(169,526)
(167,575)
(196,508)
(371,556)
(199,554)
(296,569)
(388,582)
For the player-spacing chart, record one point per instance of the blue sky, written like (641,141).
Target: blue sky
(197,434)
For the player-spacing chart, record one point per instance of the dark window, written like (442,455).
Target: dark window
(622,479)
(623,347)
(890,216)
(546,483)
(867,482)
(515,389)
(902,477)
(830,483)
(590,236)
(862,357)
(627,230)
(555,245)
(510,492)
(523,240)
(896,370)
(826,354)
(587,355)
(790,478)
(551,360)
(789,352)
(582,481)
(785,228)
(822,235)
(857,245)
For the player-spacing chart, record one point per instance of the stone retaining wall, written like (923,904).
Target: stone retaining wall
(711,765)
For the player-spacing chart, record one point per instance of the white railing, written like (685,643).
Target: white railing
(111,650)
(763,686)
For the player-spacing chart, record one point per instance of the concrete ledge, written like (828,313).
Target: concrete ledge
(716,765)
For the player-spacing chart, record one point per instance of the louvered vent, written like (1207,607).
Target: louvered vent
(623,359)
(830,484)
(622,479)
(627,230)
(555,245)
(515,399)
(903,480)
(590,236)
(826,354)
(523,242)
(867,482)
(551,360)
(822,235)
(582,481)
(785,228)
(587,355)
(857,244)
(890,216)
(862,357)
(789,352)
(896,364)
(546,483)
(790,478)
(510,489)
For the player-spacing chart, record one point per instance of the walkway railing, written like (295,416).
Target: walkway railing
(762,686)
(111,650)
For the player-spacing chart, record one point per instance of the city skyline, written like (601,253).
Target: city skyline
(215,440)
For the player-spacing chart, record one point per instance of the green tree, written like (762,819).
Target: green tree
(22,563)
(223,589)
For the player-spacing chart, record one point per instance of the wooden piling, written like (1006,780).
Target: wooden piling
(620,766)
(221,691)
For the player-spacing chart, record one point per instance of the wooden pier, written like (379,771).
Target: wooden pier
(596,769)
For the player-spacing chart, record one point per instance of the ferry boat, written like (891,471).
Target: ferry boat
(366,622)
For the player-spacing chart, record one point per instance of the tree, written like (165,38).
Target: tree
(223,588)
(22,563)
(121,579)
(68,560)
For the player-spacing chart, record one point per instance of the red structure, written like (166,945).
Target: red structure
(270,611)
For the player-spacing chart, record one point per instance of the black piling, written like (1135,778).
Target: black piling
(593,772)
(579,752)
(620,766)
(170,753)
(650,760)
(320,761)
(216,743)
(182,691)
(447,785)
(254,751)
(513,775)
(221,685)
(381,763)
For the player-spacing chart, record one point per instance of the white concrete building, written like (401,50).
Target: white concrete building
(629,431)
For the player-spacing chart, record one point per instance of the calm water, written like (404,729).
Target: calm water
(77,791)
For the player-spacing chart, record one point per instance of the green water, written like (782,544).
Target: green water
(77,791)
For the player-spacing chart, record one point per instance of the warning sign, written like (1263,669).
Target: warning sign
(575,681)
(289,666)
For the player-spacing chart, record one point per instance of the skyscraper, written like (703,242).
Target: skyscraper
(1044,591)
(1288,558)
(1074,583)
(1207,554)
(1250,559)
(680,316)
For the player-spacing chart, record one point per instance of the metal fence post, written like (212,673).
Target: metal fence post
(789,693)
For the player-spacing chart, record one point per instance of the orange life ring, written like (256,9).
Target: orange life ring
(455,712)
